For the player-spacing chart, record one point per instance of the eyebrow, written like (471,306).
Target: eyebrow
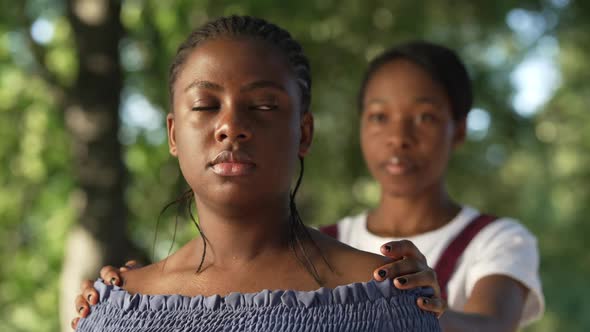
(248,87)
(203,85)
(262,85)
(418,100)
(374,101)
(427,100)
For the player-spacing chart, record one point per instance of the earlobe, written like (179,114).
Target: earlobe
(171,134)
(306,134)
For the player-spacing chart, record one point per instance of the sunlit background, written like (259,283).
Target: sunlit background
(84,163)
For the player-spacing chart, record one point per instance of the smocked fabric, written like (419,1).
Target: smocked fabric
(370,306)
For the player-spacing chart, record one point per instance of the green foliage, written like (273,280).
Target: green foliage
(532,168)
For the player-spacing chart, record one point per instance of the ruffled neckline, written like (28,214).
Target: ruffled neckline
(341,295)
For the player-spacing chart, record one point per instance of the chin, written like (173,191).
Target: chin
(240,194)
(229,202)
(402,193)
(232,192)
(402,190)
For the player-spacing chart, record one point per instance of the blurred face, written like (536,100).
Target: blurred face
(237,126)
(407,129)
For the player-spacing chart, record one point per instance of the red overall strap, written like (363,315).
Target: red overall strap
(331,230)
(448,260)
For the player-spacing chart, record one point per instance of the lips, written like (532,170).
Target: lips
(399,165)
(232,163)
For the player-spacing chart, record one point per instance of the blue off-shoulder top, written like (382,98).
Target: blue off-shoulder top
(370,306)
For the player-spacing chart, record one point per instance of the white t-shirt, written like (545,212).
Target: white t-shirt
(503,247)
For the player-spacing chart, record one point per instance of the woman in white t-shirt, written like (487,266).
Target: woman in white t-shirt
(414,102)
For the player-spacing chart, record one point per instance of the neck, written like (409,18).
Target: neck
(408,215)
(243,235)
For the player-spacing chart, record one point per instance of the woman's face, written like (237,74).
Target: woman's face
(237,126)
(407,129)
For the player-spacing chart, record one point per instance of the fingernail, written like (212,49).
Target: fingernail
(80,310)
(113,280)
(402,280)
(425,301)
(382,273)
(387,248)
(89,297)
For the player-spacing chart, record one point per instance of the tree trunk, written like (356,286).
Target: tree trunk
(92,119)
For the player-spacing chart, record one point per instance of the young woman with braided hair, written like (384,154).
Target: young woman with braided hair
(240,126)
(413,105)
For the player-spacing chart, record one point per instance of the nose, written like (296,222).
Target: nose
(401,133)
(232,126)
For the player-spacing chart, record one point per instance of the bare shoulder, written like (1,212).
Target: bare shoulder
(163,277)
(143,280)
(349,265)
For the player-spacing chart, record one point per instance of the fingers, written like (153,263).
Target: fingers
(88,292)
(402,249)
(434,305)
(82,307)
(90,295)
(85,284)
(74,323)
(399,268)
(425,278)
(83,301)
(130,265)
(110,275)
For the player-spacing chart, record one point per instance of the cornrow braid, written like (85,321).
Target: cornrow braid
(252,27)
(256,28)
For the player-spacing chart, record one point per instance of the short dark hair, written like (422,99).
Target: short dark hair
(442,64)
(248,26)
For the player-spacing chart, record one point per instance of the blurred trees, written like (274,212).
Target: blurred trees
(83,153)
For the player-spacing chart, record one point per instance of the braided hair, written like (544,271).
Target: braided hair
(259,29)
(251,27)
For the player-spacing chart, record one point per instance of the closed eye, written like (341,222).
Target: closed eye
(264,107)
(205,108)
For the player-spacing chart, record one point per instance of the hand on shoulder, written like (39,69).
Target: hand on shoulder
(348,265)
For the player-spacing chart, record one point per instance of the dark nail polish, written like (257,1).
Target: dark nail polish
(89,297)
(402,280)
(382,273)
(113,280)
(80,310)
(388,248)
(425,301)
